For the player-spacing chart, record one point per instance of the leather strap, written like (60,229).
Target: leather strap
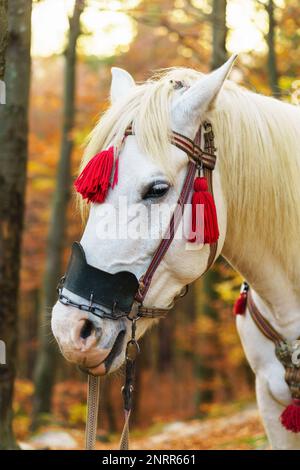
(261,322)
(168,238)
(207,159)
(152,312)
(190,147)
(209,148)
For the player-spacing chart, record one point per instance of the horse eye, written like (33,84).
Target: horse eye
(156,190)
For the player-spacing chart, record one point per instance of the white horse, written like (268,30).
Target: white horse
(257,193)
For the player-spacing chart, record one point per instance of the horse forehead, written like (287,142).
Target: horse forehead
(134,161)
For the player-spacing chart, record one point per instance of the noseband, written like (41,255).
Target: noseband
(122,295)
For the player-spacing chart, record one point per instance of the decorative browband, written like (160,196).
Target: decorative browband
(185,144)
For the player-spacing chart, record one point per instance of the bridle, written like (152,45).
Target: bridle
(133,308)
(198,157)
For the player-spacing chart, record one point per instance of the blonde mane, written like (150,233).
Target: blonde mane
(258,153)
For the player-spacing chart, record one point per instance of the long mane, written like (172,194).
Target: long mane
(258,153)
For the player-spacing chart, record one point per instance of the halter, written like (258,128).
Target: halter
(105,303)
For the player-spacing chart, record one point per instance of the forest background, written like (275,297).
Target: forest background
(55,58)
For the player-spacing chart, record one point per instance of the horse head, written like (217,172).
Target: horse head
(123,232)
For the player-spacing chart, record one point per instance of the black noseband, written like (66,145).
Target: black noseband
(115,292)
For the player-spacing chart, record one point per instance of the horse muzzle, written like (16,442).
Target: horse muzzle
(85,342)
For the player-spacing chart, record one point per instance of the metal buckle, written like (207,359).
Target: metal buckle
(244,287)
(90,307)
(132,350)
(60,284)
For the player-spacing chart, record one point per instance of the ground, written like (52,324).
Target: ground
(239,431)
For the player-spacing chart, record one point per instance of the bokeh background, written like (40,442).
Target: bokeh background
(192,370)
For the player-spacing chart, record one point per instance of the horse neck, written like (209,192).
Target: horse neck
(259,162)
(278,295)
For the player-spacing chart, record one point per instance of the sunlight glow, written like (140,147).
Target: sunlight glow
(247,27)
(108,31)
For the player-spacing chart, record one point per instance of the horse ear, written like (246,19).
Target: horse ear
(121,82)
(193,103)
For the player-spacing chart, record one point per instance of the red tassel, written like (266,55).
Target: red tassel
(201,195)
(94,180)
(240,304)
(290,418)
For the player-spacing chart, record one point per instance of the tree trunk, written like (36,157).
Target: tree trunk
(165,344)
(108,404)
(219,33)
(205,370)
(48,355)
(13,159)
(272,60)
(3,36)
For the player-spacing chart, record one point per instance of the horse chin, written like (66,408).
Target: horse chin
(114,360)
(98,370)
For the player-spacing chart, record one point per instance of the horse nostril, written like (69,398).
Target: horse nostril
(87,329)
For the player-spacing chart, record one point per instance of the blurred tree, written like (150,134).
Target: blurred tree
(272,59)
(3,36)
(108,404)
(273,74)
(219,33)
(13,160)
(205,366)
(165,332)
(47,356)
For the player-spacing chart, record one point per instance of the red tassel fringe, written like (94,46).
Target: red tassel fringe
(290,418)
(240,304)
(203,196)
(94,180)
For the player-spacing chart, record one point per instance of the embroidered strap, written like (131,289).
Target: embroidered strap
(190,147)
(265,326)
(261,322)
